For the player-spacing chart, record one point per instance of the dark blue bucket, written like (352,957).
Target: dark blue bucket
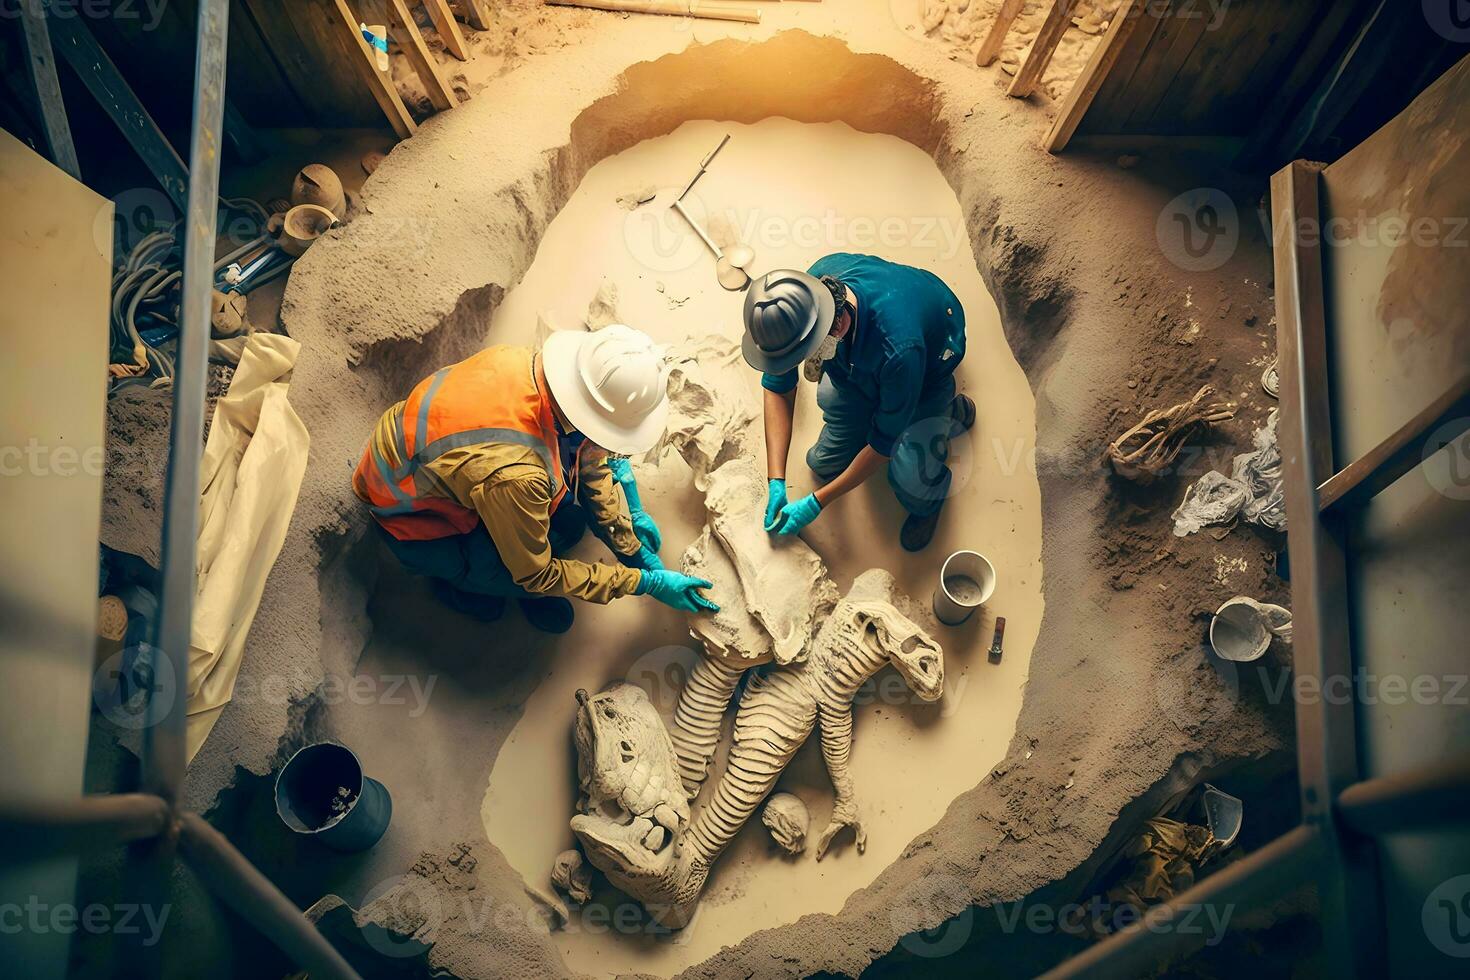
(323,794)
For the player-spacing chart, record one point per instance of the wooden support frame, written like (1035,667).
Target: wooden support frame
(448,28)
(989,48)
(1378,468)
(1326,728)
(1288,861)
(47,88)
(411,41)
(367,67)
(1090,82)
(1058,19)
(476,14)
(106,84)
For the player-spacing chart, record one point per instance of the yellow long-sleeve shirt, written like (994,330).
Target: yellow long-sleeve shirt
(508,486)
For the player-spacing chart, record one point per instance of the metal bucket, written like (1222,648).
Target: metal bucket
(1225,813)
(966,581)
(310,798)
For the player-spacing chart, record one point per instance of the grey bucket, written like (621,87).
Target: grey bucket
(313,778)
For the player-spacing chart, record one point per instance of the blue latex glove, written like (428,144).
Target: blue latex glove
(647,531)
(775,500)
(797,515)
(642,558)
(643,525)
(677,589)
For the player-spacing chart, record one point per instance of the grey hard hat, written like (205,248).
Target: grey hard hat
(787,316)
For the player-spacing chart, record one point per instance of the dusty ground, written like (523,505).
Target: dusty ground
(1105,314)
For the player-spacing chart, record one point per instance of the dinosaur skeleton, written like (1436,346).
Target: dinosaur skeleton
(778,710)
(773,592)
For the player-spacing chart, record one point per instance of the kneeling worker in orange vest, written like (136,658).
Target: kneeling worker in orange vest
(470,477)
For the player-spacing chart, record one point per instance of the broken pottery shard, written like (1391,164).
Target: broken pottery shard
(572,875)
(604,306)
(784,582)
(786,817)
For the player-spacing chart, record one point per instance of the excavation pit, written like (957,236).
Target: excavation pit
(793,192)
(461,243)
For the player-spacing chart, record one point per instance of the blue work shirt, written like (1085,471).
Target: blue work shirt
(908,338)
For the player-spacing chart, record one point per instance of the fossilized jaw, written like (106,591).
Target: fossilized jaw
(633,806)
(912,652)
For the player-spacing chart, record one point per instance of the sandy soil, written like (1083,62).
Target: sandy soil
(834,189)
(1123,707)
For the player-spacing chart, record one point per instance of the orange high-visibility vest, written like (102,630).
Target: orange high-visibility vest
(493,396)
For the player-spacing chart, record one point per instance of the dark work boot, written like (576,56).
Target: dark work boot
(485,608)
(918,531)
(549,614)
(962,410)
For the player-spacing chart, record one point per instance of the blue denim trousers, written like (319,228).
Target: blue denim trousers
(469,562)
(918,470)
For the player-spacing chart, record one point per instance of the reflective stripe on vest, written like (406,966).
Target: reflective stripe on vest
(498,384)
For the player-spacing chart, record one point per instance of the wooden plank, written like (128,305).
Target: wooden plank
(1326,730)
(1378,468)
(1178,37)
(367,69)
(412,44)
(101,77)
(1307,63)
(449,32)
(1058,19)
(1110,107)
(1234,69)
(318,63)
(476,14)
(46,87)
(1099,66)
(989,49)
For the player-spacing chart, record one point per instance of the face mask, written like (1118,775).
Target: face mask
(812,367)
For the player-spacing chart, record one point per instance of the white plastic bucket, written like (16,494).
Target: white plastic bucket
(966,581)
(1242,629)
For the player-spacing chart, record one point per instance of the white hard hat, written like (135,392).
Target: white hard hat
(611,384)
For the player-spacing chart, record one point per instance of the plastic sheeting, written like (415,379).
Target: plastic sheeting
(251,473)
(1252,491)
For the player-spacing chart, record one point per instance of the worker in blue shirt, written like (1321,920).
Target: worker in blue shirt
(882,340)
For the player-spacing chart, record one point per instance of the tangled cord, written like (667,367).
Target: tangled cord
(143,291)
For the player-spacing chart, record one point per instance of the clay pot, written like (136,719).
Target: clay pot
(317,183)
(304,224)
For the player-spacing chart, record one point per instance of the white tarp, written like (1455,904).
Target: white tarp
(253,464)
(1252,491)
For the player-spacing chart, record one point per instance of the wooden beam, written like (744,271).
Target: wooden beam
(475,14)
(1085,89)
(1058,19)
(449,32)
(367,67)
(101,77)
(1378,468)
(47,88)
(989,49)
(1326,727)
(413,46)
